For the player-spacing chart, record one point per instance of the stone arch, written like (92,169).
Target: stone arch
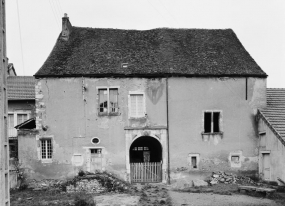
(145,149)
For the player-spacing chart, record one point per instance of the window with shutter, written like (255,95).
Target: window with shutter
(137,105)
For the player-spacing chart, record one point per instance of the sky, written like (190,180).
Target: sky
(32,26)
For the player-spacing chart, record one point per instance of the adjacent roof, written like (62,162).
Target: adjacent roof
(157,52)
(274,113)
(21,87)
(28,124)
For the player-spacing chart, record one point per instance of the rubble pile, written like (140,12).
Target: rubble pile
(45,184)
(98,182)
(226,178)
(85,185)
(87,182)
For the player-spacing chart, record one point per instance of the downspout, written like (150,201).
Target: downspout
(167,119)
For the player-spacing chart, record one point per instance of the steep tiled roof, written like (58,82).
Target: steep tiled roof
(157,52)
(274,113)
(21,87)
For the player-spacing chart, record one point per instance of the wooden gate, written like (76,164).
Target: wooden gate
(146,172)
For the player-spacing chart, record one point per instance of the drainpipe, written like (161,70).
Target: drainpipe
(167,119)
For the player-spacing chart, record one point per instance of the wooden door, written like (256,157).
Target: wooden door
(266,166)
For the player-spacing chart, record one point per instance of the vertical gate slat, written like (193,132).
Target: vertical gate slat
(151,172)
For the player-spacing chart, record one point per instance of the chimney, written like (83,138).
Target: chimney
(66,27)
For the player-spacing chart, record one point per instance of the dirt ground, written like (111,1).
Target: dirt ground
(211,199)
(148,195)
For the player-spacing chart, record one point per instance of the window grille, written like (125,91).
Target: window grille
(46,148)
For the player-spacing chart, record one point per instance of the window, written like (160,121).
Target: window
(21,118)
(46,149)
(13,148)
(140,149)
(108,101)
(211,122)
(11,121)
(235,159)
(136,105)
(96,151)
(15,118)
(193,160)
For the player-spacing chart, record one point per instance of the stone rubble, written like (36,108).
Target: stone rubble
(229,178)
(98,182)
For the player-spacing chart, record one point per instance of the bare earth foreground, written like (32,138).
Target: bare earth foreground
(195,199)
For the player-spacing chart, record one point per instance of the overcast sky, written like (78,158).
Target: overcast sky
(34,25)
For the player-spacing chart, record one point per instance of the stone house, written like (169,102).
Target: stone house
(271,127)
(158,105)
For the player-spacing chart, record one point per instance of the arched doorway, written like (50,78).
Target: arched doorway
(146,160)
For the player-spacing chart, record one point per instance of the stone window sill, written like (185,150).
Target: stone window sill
(46,161)
(213,133)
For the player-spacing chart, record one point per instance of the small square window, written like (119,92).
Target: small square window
(96,151)
(235,159)
(46,149)
(212,122)
(193,161)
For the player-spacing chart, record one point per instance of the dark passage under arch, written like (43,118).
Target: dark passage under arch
(145,149)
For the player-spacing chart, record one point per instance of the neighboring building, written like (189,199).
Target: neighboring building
(180,101)
(271,127)
(21,106)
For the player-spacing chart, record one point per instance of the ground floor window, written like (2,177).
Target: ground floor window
(46,149)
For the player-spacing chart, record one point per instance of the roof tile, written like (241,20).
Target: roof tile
(21,87)
(274,113)
(157,52)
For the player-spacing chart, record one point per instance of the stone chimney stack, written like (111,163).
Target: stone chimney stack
(66,27)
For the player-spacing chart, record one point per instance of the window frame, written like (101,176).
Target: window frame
(108,113)
(190,156)
(212,122)
(11,129)
(47,159)
(143,104)
(235,164)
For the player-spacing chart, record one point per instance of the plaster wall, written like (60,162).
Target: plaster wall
(67,112)
(237,102)
(270,144)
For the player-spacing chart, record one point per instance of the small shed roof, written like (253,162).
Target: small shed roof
(158,52)
(28,124)
(21,87)
(274,113)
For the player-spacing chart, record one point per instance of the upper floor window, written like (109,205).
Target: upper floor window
(212,122)
(15,119)
(136,104)
(108,101)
